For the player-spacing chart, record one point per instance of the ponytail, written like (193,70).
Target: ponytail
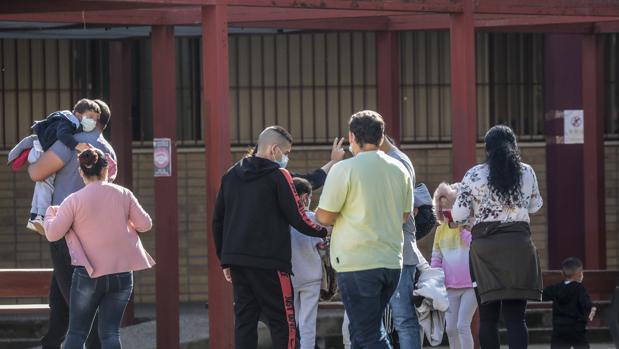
(503,159)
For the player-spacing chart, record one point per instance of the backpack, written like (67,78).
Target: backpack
(425,219)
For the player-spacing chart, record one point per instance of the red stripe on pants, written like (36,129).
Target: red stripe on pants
(284,280)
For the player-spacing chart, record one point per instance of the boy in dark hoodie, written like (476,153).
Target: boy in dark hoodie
(571,307)
(255,207)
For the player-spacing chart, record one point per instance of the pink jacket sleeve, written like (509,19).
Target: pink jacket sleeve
(138,218)
(59,219)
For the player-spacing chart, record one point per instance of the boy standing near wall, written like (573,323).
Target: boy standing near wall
(571,307)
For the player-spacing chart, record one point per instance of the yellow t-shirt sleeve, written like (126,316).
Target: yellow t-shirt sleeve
(334,191)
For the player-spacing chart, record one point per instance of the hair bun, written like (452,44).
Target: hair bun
(88,158)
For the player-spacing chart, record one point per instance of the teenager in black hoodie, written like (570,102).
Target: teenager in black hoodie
(255,207)
(571,307)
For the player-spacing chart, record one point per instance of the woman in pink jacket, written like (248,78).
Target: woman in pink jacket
(100,223)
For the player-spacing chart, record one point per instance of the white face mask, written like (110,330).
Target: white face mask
(350,150)
(88,124)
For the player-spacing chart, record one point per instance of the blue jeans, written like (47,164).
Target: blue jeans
(403,310)
(365,295)
(109,294)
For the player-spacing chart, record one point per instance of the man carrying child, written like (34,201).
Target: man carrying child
(58,126)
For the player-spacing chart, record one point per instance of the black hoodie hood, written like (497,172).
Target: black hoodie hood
(253,167)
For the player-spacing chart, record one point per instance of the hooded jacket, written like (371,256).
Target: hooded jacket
(255,207)
(61,126)
(571,304)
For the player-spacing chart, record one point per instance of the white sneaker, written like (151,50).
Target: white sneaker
(36,225)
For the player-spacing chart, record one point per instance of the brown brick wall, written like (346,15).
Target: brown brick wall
(23,249)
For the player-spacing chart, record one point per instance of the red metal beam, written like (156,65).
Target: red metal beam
(157,2)
(237,16)
(255,14)
(602,8)
(27,6)
(607,27)
(216,123)
(593,160)
(520,23)
(358,23)
(301,18)
(440,6)
(166,197)
(388,81)
(463,96)
(419,22)
(112,17)
(120,79)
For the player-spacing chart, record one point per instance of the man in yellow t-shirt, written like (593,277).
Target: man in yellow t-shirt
(367,199)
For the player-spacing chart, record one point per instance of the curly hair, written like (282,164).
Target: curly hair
(503,159)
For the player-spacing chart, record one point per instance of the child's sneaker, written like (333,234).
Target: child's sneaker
(36,224)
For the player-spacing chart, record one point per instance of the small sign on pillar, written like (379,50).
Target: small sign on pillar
(162,157)
(573,126)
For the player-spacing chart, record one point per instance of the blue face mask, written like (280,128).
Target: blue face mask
(283,162)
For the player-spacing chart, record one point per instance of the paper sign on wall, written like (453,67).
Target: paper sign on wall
(162,157)
(573,126)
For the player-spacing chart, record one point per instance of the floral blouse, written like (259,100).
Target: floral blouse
(476,202)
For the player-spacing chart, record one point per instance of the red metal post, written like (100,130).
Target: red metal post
(120,104)
(218,159)
(593,159)
(388,81)
(463,95)
(166,215)
(564,194)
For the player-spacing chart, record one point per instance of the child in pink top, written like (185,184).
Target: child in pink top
(451,253)
(101,224)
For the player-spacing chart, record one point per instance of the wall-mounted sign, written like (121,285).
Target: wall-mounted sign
(573,127)
(162,157)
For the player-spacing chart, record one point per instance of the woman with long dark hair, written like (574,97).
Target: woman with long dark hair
(496,198)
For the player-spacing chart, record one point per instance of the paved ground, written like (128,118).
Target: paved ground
(194,331)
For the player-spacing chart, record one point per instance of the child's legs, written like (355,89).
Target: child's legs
(42,197)
(468,305)
(297,302)
(451,317)
(309,296)
(35,152)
